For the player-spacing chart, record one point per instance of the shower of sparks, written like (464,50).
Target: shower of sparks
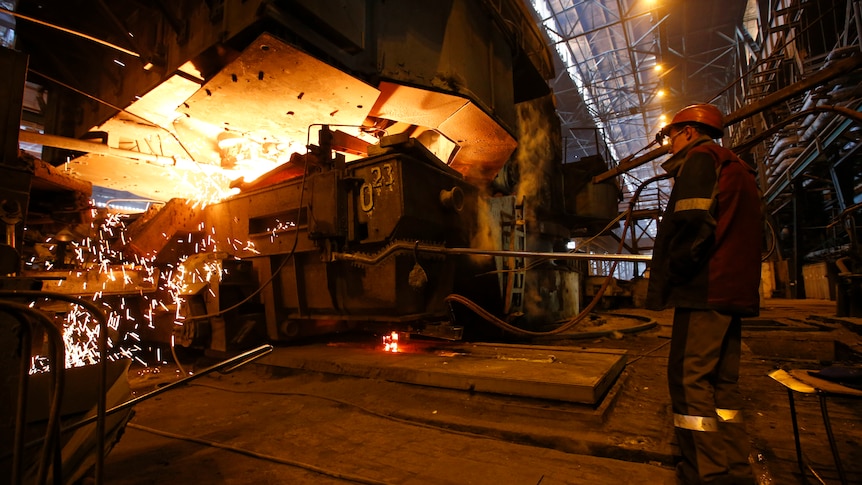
(102,267)
(135,294)
(279,228)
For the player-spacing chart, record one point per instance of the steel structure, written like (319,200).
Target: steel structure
(628,65)
(620,56)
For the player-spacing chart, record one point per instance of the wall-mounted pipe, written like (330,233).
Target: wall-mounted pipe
(783,161)
(782,144)
(839,94)
(757,139)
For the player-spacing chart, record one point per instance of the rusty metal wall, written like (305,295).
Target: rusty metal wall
(463,47)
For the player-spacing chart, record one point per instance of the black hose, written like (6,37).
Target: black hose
(25,336)
(102,321)
(51,449)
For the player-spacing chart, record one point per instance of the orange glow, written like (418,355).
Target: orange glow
(390,342)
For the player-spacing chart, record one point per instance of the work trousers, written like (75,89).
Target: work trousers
(703,372)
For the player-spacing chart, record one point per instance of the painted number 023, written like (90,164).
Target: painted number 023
(380,176)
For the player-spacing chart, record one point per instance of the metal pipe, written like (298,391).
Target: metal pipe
(628,164)
(837,69)
(225,366)
(751,142)
(782,144)
(363,259)
(835,96)
(783,161)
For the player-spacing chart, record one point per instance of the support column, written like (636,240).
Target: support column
(15,175)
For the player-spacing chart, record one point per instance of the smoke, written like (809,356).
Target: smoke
(539,147)
(488,233)
(530,170)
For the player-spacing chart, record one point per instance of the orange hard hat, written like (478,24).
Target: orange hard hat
(706,115)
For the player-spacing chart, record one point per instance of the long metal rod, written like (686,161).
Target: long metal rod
(796,440)
(70,31)
(630,163)
(364,259)
(225,366)
(533,254)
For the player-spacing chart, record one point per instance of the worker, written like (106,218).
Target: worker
(706,266)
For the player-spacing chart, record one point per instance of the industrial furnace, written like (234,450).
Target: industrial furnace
(289,230)
(308,170)
(322,245)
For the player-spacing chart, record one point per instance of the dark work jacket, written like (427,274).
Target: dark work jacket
(707,251)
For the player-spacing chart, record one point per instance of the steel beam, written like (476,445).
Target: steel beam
(823,76)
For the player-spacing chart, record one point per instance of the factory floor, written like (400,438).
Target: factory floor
(288,423)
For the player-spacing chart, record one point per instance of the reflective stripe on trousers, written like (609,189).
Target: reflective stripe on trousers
(729,415)
(695,423)
(703,370)
(707,423)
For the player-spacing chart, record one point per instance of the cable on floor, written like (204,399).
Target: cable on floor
(356,406)
(260,456)
(641,356)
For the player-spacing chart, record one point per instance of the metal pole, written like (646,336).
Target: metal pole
(70,31)
(363,259)
(225,366)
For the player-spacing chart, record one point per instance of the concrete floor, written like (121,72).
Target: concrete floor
(280,424)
